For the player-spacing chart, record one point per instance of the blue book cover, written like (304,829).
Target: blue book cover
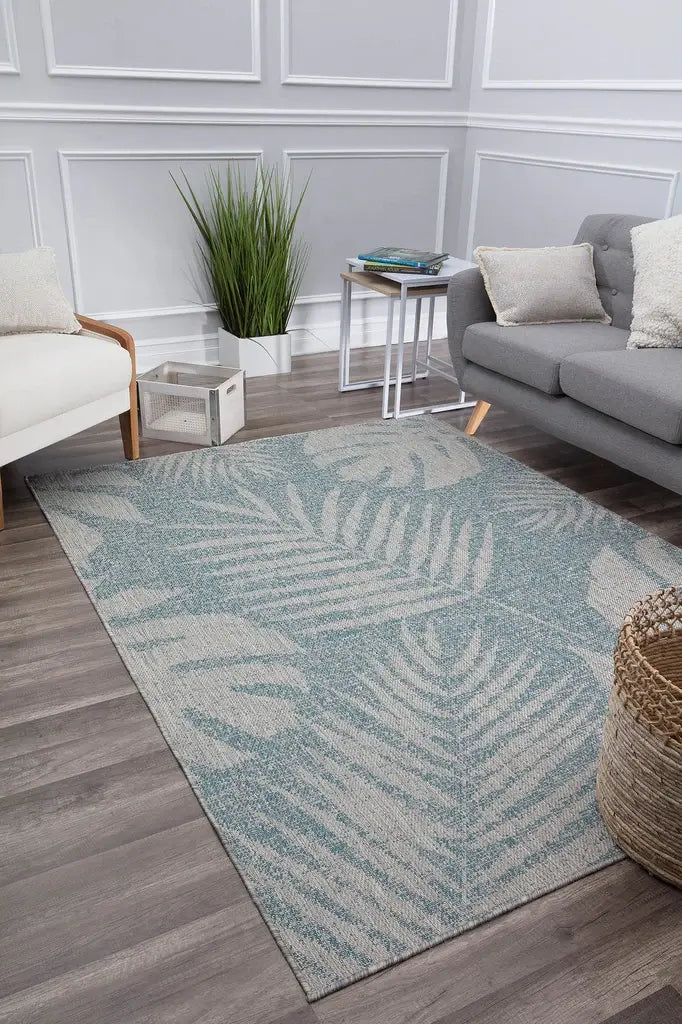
(406,257)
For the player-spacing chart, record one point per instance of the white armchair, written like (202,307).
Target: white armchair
(55,385)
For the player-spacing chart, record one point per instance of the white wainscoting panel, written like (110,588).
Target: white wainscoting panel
(361,198)
(380,44)
(524,200)
(18,202)
(153,39)
(583,44)
(9,55)
(132,243)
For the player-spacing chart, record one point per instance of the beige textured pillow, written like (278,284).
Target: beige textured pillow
(31,299)
(554,285)
(657,295)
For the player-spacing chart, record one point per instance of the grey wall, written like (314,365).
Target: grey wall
(99,102)
(477,122)
(575,107)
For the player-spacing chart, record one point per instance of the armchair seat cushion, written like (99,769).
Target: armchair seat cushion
(640,387)
(532,353)
(44,375)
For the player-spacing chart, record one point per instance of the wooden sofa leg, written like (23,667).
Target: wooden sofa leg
(478,415)
(129,428)
(2,510)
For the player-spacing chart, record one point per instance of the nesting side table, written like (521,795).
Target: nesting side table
(399,288)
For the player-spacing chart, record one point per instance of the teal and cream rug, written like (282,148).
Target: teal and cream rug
(382,655)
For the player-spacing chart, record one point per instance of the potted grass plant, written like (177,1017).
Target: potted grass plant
(253,263)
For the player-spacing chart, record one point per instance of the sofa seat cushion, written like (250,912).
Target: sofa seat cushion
(640,387)
(532,353)
(44,375)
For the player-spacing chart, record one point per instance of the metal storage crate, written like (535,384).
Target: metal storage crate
(189,402)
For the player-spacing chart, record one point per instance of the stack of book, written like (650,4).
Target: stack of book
(388,260)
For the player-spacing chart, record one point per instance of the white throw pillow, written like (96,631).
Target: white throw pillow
(31,299)
(553,285)
(657,295)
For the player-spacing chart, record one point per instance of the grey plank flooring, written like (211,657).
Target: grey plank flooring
(663,1007)
(118,905)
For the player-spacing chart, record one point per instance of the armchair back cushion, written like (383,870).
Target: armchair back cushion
(31,298)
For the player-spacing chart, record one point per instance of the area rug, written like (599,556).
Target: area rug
(381,654)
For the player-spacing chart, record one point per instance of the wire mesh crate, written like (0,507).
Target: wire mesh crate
(190,402)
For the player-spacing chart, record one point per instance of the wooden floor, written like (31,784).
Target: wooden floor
(118,904)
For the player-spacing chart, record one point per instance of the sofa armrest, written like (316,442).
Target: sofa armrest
(468,304)
(124,339)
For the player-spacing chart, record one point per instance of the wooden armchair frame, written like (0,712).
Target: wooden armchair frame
(127,420)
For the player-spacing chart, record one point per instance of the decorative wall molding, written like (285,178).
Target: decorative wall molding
(651,131)
(67,157)
(25,157)
(393,153)
(319,302)
(156,312)
(587,84)
(11,66)
(289,78)
(189,348)
(657,131)
(210,307)
(103,113)
(660,174)
(54,68)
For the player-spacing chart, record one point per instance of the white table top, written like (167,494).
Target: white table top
(450,267)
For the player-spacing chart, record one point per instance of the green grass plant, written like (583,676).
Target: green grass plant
(251,257)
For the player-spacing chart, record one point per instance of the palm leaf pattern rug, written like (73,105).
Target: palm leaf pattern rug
(382,655)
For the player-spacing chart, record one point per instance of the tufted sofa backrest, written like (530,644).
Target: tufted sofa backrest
(609,233)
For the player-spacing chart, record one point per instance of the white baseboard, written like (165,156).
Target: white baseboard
(190,348)
(192,336)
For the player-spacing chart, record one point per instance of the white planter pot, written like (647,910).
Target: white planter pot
(257,357)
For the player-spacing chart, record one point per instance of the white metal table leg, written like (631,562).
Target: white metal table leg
(344,336)
(387,361)
(429,331)
(415,343)
(420,368)
(440,368)
(401,351)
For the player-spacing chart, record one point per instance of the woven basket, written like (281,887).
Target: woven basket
(639,780)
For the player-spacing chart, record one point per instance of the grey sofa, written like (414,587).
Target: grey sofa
(577,381)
